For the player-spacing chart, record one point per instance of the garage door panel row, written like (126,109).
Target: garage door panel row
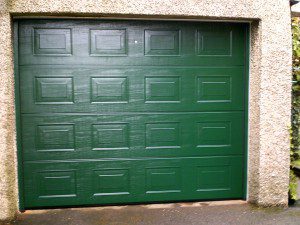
(129,43)
(108,181)
(136,135)
(123,89)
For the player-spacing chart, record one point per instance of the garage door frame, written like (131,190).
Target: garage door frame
(18,107)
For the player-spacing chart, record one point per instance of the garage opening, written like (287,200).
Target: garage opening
(118,112)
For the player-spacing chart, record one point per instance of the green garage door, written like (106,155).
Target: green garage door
(131,111)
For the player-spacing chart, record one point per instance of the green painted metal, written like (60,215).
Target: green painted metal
(131,111)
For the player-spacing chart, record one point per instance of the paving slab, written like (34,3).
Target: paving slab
(195,213)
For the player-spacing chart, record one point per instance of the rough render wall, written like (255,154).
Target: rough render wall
(270,74)
(254,126)
(8,187)
(275,98)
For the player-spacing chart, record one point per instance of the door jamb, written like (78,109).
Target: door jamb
(246,112)
(18,114)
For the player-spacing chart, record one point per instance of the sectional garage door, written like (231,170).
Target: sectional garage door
(131,111)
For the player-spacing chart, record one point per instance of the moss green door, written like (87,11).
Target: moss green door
(131,111)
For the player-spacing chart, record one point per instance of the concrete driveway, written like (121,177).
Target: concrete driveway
(210,213)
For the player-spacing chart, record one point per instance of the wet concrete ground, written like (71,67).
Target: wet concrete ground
(210,213)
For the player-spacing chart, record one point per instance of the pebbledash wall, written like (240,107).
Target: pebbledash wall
(270,80)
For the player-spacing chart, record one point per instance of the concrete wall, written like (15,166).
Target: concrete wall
(270,80)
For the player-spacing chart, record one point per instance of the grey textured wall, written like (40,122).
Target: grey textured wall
(270,80)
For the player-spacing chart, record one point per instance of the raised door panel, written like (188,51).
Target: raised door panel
(52,42)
